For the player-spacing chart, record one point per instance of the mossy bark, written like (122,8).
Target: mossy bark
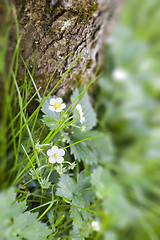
(52,29)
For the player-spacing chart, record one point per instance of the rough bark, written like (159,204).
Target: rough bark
(52,29)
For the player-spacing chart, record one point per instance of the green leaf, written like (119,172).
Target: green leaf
(86,215)
(78,193)
(17,224)
(91,151)
(66,187)
(77,219)
(103,148)
(49,121)
(76,215)
(82,151)
(113,196)
(81,225)
(82,181)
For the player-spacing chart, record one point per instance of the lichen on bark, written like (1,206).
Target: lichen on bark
(52,29)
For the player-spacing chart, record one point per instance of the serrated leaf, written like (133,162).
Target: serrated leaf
(78,200)
(78,194)
(103,148)
(30,227)
(66,187)
(82,181)
(86,214)
(82,151)
(16,224)
(77,219)
(49,121)
(76,214)
(80,223)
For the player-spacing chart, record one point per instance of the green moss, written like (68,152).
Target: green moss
(79,77)
(90,9)
(89,64)
(84,9)
(81,8)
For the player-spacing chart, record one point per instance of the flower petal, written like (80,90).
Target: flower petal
(52,101)
(61,152)
(60,160)
(79,108)
(58,109)
(63,105)
(51,108)
(52,159)
(50,152)
(59,100)
(54,149)
(82,120)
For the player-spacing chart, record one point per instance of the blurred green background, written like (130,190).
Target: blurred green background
(128,106)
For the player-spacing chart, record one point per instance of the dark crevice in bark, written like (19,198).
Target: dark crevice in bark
(83,41)
(59,15)
(95,31)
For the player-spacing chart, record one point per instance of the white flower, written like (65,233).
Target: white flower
(56,105)
(95,226)
(82,118)
(79,108)
(56,154)
(119,74)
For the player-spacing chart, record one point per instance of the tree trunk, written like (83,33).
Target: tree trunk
(52,29)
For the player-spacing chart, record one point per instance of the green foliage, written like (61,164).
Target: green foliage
(114,200)
(128,110)
(16,222)
(81,225)
(83,150)
(78,193)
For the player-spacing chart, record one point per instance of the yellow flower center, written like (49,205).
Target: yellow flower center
(94,227)
(56,155)
(81,114)
(57,105)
